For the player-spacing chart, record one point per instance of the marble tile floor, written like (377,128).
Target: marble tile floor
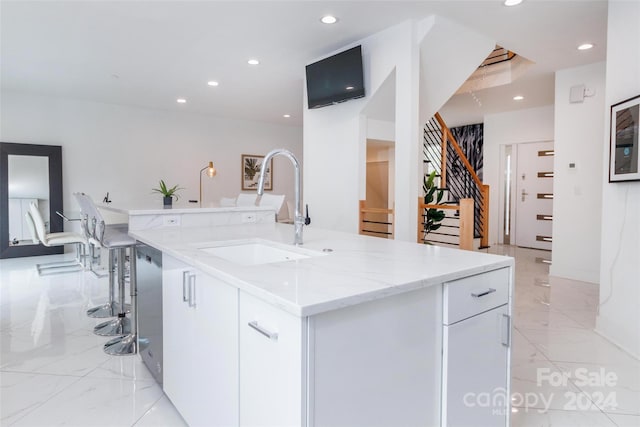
(53,371)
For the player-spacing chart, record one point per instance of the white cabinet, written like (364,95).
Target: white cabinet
(476,351)
(272,348)
(231,358)
(200,345)
(371,365)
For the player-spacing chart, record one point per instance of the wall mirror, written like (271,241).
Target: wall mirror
(29,173)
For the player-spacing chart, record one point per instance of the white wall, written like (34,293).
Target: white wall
(515,127)
(449,54)
(127,150)
(381,129)
(619,316)
(578,191)
(335,136)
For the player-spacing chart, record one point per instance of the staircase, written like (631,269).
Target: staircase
(460,181)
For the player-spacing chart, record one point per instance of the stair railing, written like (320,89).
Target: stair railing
(445,156)
(465,209)
(376,222)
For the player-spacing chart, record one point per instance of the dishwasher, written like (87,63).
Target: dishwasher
(149,283)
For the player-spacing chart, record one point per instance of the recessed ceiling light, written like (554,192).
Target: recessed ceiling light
(328,19)
(512,2)
(181,101)
(286,116)
(585,46)
(349,88)
(253,62)
(518,98)
(212,83)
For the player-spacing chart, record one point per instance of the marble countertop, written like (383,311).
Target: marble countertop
(154,206)
(358,268)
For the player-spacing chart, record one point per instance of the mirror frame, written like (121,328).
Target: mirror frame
(54,153)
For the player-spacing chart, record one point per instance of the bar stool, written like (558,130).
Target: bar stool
(127,344)
(88,212)
(36,226)
(115,241)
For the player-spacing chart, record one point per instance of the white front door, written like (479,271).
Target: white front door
(534,195)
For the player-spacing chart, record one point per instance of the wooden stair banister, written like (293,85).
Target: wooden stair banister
(363,210)
(466,208)
(450,138)
(482,210)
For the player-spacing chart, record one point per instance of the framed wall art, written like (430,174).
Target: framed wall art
(251,166)
(624,154)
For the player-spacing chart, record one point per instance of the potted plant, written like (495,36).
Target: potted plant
(167,193)
(432,193)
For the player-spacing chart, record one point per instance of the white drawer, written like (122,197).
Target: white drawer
(472,295)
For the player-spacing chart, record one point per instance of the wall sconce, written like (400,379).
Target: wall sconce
(211,172)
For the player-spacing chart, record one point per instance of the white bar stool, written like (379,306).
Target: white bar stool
(89,212)
(116,241)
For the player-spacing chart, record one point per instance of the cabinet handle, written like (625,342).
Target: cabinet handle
(192,290)
(184,286)
(263,331)
(482,294)
(507,342)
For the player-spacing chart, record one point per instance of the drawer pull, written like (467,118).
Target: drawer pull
(482,294)
(263,331)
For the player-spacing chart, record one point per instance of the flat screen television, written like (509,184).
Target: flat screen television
(335,79)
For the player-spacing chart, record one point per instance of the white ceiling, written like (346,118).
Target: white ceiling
(149,53)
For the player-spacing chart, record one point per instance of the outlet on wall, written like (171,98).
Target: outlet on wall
(248,218)
(171,221)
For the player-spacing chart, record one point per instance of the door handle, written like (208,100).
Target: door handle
(506,332)
(192,290)
(524,193)
(184,286)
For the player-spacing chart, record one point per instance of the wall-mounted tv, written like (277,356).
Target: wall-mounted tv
(335,79)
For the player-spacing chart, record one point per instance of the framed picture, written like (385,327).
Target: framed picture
(624,163)
(251,166)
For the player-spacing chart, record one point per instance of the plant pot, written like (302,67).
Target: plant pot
(167,201)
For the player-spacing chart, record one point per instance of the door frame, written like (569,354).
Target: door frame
(512,237)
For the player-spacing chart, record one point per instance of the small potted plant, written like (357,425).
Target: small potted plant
(167,193)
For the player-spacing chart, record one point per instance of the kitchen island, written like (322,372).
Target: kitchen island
(149,213)
(346,330)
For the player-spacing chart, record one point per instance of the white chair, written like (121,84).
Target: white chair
(273,200)
(111,308)
(290,213)
(117,242)
(39,234)
(245,199)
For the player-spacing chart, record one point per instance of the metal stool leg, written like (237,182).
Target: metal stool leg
(121,325)
(111,308)
(128,344)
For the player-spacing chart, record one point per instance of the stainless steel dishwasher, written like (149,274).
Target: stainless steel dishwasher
(149,276)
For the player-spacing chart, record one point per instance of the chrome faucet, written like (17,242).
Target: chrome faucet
(298,220)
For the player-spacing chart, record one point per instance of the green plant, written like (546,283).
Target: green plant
(166,191)
(433,217)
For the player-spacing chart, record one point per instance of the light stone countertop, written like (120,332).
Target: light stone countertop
(148,206)
(359,268)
